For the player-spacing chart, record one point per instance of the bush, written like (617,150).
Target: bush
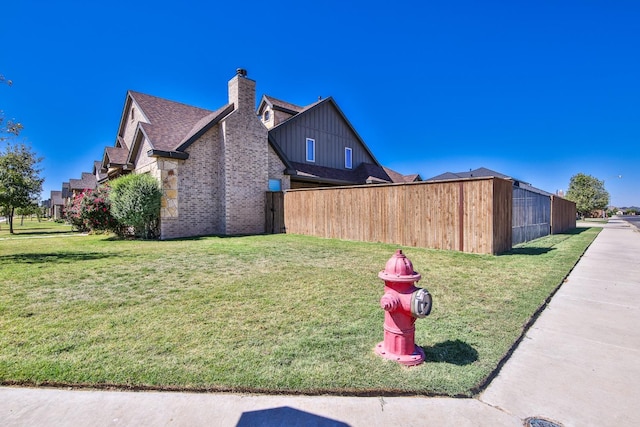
(135,203)
(91,211)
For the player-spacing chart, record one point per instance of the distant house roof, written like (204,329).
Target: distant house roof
(98,171)
(115,156)
(87,182)
(484,173)
(398,177)
(476,173)
(66,193)
(56,198)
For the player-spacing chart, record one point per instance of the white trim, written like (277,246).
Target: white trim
(348,158)
(310,156)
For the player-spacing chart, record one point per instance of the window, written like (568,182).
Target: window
(266,115)
(348,158)
(275,185)
(311,150)
(133,114)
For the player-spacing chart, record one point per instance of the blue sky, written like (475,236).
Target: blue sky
(539,90)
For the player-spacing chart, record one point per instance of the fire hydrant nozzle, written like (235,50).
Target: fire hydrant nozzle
(403,302)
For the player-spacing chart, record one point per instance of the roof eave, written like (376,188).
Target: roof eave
(179,155)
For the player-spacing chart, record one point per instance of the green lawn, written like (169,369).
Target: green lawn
(278,313)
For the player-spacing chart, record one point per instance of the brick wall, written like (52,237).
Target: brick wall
(276,170)
(245,150)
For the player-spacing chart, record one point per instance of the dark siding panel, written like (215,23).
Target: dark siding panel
(332,135)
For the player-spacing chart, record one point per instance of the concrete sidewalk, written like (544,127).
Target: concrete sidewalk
(578,365)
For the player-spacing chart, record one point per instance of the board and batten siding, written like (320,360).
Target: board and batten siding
(471,215)
(331,133)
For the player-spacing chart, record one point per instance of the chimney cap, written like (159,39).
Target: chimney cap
(241,72)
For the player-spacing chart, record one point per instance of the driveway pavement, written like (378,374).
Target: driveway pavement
(579,365)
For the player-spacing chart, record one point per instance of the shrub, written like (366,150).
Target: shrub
(91,211)
(135,203)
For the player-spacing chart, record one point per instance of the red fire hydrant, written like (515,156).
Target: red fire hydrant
(403,303)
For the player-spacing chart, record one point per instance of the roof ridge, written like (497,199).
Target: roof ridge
(133,93)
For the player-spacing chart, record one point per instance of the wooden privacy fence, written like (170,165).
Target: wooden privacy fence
(563,215)
(471,215)
(274,213)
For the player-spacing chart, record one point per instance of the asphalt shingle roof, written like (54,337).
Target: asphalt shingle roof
(170,122)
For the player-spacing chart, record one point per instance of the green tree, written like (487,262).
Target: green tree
(30,210)
(588,193)
(135,202)
(8,127)
(20,182)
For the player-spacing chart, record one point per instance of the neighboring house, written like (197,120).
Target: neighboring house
(100,175)
(397,177)
(211,165)
(318,146)
(87,182)
(215,166)
(57,205)
(66,193)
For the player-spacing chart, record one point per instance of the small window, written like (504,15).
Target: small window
(311,150)
(348,158)
(133,114)
(266,116)
(275,185)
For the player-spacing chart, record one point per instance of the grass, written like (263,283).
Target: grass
(31,227)
(278,313)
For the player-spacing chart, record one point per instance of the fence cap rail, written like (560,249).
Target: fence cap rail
(400,184)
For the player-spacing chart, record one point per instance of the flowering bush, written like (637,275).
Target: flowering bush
(91,211)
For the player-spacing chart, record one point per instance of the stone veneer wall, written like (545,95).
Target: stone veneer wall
(166,171)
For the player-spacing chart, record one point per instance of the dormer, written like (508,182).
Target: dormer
(273,111)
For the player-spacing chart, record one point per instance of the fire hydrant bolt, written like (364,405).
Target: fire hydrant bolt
(403,302)
(389,302)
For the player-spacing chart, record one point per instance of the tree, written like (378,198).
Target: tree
(588,193)
(135,202)
(8,128)
(20,182)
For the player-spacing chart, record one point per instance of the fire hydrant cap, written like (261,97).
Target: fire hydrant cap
(399,269)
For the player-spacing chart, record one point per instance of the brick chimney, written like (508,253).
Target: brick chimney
(242,92)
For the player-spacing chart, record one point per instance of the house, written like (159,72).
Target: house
(87,182)
(318,146)
(56,204)
(215,166)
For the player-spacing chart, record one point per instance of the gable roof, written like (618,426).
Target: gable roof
(56,198)
(87,182)
(476,173)
(115,156)
(278,105)
(169,121)
(398,177)
(98,171)
(66,193)
(317,104)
